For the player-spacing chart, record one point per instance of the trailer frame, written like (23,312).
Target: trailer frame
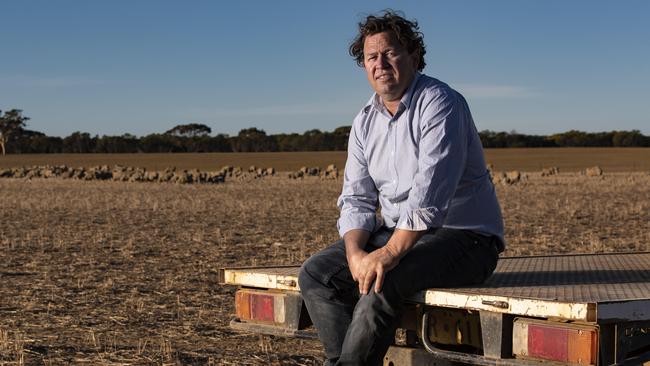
(608,292)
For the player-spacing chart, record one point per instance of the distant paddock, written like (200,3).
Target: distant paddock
(524,159)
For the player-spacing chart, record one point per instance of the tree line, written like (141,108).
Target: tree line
(573,138)
(196,137)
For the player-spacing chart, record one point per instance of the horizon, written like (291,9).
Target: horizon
(217,133)
(118,68)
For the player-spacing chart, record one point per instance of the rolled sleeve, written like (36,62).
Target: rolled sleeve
(420,219)
(363,221)
(358,199)
(441,161)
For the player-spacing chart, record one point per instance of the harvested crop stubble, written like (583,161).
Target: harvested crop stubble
(104,272)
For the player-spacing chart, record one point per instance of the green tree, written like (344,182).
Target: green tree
(79,143)
(343,131)
(126,143)
(253,140)
(160,143)
(628,138)
(11,126)
(190,130)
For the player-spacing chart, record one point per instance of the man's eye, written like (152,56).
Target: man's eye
(372,58)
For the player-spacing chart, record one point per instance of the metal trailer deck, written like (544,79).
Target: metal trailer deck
(586,287)
(611,290)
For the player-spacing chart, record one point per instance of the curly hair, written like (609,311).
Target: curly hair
(407,32)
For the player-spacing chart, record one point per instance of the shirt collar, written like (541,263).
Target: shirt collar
(375,100)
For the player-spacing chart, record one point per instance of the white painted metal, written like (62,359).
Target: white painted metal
(278,309)
(255,277)
(520,338)
(519,306)
(597,287)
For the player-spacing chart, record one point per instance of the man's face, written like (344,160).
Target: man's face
(389,66)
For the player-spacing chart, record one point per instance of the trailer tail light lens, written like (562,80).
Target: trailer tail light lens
(551,341)
(260,306)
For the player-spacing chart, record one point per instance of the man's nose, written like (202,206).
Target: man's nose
(382,61)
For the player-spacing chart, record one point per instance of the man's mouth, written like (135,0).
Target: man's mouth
(383,77)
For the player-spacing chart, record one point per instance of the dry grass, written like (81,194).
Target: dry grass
(126,273)
(567,159)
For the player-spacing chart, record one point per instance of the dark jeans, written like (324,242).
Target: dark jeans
(357,330)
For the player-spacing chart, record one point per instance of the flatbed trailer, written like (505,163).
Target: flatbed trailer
(583,309)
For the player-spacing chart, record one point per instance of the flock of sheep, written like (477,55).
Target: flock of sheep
(331,172)
(116,173)
(171,175)
(515,176)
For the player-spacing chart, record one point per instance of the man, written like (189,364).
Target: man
(415,153)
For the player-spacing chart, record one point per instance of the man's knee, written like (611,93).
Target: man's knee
(313,273)
(318,270)
(306,279)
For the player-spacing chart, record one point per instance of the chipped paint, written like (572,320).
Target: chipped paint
(607,288)
(511,305)
(255,278)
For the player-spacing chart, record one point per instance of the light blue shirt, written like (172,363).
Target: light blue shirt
(424,166)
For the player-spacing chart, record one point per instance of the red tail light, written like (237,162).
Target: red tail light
(260,306)
(562,342)
(548,343)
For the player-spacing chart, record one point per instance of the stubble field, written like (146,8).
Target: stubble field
(117,273)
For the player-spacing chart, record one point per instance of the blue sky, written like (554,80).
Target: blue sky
(140,67)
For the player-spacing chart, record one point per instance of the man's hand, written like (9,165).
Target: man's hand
(354,262)
(373,267)
(355,242)
(365,267)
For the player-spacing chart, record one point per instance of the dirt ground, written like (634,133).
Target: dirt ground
(115,273)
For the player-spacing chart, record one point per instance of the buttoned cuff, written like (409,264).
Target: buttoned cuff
(420,219)
(364,221)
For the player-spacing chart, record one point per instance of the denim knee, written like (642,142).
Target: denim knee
(305,280)
(318,270)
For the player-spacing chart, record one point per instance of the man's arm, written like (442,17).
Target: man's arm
(358,200)
(359,197)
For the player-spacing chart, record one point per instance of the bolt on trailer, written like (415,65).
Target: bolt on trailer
(581,309)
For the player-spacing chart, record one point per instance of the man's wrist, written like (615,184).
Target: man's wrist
(354,252)
(355,241)
(392,251)
(402,241)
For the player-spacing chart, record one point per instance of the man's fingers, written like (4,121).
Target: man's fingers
(360,281)
(380,280)
(367,281)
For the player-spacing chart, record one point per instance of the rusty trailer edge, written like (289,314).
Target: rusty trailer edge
(585,287)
